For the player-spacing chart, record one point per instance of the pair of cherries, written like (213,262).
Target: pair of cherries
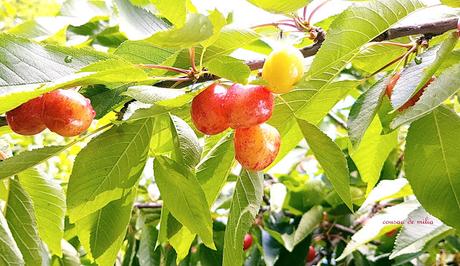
(65,112)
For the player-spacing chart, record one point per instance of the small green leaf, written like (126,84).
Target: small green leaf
(11,255)
(229,68)
(432,164)
(276,6)
(415,76)
(385,190)
(228,40)
(435,94)
(218,22)
(22,223)
(197,29)
(330,158)
(143,52)
(363,111)
(137,23)
(108,167)
(166,97)
(187,148)
(214,168)
(102,232)
(27,159)
(309,221)
(244,208)
(48,201)
(174,11)
(184,197)
(452,3)
(370,156)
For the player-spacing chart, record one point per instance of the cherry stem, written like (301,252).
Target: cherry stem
(315,10)
(191,52)
(403,56)
(398,44)
(304,12)
(169,68)
(275,24)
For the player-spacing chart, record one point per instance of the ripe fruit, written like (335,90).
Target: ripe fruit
(26,119)
(247,242)
(248,106)
(207,111)
(411,101)
(67,112)
(256,147)
(283,69)
(311,254)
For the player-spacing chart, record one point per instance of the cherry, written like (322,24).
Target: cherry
(26,119)
(248,106)
(391,233)
(411,101)
(283,69)
(247,242)
(208,114)
(67,112)
(256,147)
(311,254)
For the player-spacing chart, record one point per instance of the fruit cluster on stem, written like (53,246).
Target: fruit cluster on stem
(247,108)
(65,112)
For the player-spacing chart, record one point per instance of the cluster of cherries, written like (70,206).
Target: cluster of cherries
(247,108)
(65,112)
(411,101)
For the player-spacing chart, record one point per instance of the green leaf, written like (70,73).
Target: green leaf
(187,148)
(48,201)
(376,226)
(370,156)
(108,167)
(230,68)
(385,190)
(276,6)
(137,23)
(331,159)
(244,208)
(218,22)
(39,63)
(228,40)
(437,92)
(197,29)
(21,221)
(372,57)
(363,111)
(103,231)
(103,98)
(143,52)
(27,159)
(361,23)
(432,164)
(108,71)
(11,255)
(415,238)
(82,11)
(184,197)
(308,223)
(166,97)
(174,11)
(214,168)
(415,76)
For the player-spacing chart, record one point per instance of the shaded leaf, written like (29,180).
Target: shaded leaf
(11,255)
(230,68)
(108,167)
(187,148)
(431,157)
(244,208)
(331,159)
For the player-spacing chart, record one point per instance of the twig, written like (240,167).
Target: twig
(169,68)
(148,205)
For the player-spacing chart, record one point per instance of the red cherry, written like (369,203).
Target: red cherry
(67,112)
(391,233)
(247,242)
(207,110)
(26,119)
(256,147)
(311,254)
(248,106)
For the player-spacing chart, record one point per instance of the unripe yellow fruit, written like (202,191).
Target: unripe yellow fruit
(283,69)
